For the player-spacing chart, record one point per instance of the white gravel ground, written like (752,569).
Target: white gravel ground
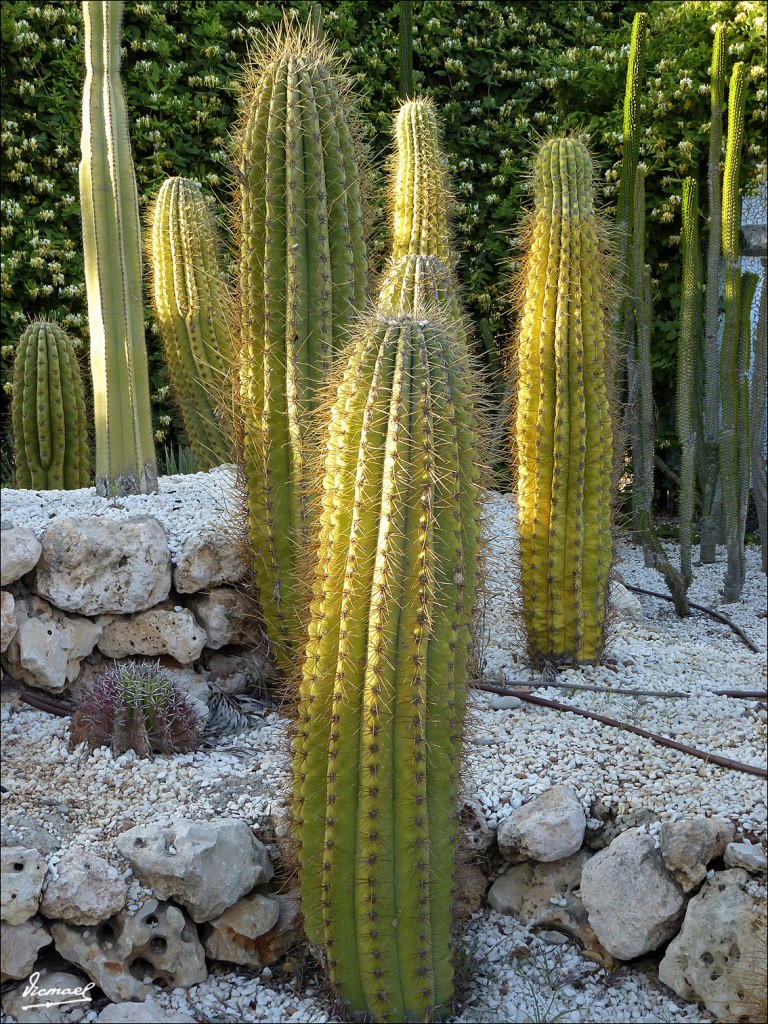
(511,975)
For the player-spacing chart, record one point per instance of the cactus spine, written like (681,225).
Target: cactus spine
(757,412)
(125,455)
(734,360)
(686,372)
(383,693)
(302,276)
(191,304)
(563,433)
(48,411)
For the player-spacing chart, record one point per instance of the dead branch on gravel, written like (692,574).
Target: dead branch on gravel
(702,608)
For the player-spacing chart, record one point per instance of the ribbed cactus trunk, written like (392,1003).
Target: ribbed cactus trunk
(378,735)
(125,454)
(302,277)
(48,411)
(757,415)
(686,372)
(193,313)
(563,433)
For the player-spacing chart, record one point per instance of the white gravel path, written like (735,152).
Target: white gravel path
(511,755)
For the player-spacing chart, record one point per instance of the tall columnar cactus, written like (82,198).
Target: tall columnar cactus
(192,310)
(382,699)
(125,455)
(563,434)
(757,414)
(302,277)
(686,371)
(734,361)
(48,411)
(711,500)
(643,425)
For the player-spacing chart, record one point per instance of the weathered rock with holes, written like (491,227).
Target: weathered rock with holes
(48,986)
(234,673)
(48,645)
(478,836)
(171,631)
(207,559)
(21,551)
(285,934)
(746,855)
(232,936)
(549,827)
(623,604)
(225,617)
(98,566)
(23,872)
(87,889)
(19,947)
(688,846)
(634,903)
(719,956)
(129,954)
(8,625)
(205,866)
(148,1012)
(469,888)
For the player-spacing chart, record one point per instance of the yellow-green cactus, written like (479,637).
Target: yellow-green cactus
(562,428)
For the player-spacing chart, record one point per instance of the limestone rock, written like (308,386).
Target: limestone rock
(21,550)
(48,646)
(48,987)
(634,903)
(205,866)
(101,566)
(8,625)
(478,835)
(21,829)
(19,946)
(157,631)
(718,957)
(231,936)
(224,615)
(623,604)
(148,1012)
(285,934)
(469,889)
(23,872)
(130,953)
(687,846)
(207,559)
(746,855)
(238,672)
(547,828)
(87,889)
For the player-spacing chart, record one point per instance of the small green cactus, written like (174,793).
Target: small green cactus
(48,411)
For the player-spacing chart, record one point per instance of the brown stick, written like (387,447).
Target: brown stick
(724,762)
(702,608)
(663,694)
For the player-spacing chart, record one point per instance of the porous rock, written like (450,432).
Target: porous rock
(48,646)
(688,846)
(127,955)
(19,946)
(170,631)
(231,936)
(23,872)
(549,827)
(208,559)
(746,855)
(87,889)
(247,670)
(8,625)
(469,888)
(205,866)
(718,957)
(623,604)
(98,566)
(224,615)
(477,833)
(148,1012)
(285,933)
(49,985)
(634,903)
(21,550)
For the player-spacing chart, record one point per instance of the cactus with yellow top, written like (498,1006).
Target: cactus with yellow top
(562,427)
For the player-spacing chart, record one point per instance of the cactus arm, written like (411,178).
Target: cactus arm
(757,415)
(420,192)
(406,50)
(633,87)
(686,372)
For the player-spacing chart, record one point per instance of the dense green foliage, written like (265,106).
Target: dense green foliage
(499,72)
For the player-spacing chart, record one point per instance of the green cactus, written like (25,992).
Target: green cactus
(48,411)
(302,277)
(643,425)
(686,372)
(125,455)
(734,360)
(563,433)
(757,412)
(384,685)
(192,311)
(406,50)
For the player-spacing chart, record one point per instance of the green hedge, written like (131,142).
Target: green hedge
(502,74)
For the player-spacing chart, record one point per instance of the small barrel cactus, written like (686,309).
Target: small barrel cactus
(48,411)
(136,706)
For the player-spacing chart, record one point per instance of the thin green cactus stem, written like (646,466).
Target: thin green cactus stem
(734,458)
(303,274)
(710,519)
(125,455)
(563,433)
(192,310)
(383,693)
(631,150)
(48,411)
(406,50)
(686,372)
(643,437)
(757,421)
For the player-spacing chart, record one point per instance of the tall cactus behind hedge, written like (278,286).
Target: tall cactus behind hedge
(384,686)
(302,277)
(686,371)
(48,411)
(563,432)
(192,311)
(125,454)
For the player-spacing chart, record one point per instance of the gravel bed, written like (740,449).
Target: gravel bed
(511,755)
